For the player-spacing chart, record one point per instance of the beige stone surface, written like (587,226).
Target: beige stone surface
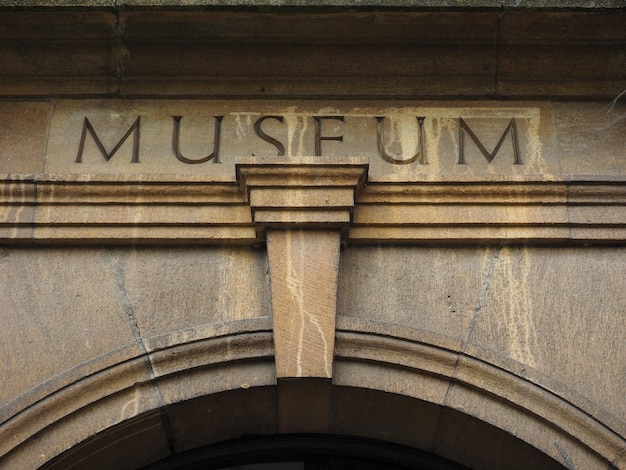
(540,302)
(94,419)
(23,130)
(176,289)
(462,333)
(589,136)
(592,137)
(434,289)
(303,270)
(66,304)
(475,310)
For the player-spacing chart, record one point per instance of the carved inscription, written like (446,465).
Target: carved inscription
(511,130)
(327,128)
(318,132)
(87,127)
(215,155)
(257,129)
(388,157)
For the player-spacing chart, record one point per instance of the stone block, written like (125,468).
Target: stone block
(179,289)
(434,289)
(68,305)
(133,444)
(23,127)
(415,142)
(477,444)
(543,300)
(303,271)
(60,53)
(592,137)
(384,416)
(304,406)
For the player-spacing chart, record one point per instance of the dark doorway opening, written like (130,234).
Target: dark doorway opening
(305,452)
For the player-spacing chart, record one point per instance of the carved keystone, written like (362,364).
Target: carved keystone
(303,206)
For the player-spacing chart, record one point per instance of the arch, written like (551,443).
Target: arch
(215,383)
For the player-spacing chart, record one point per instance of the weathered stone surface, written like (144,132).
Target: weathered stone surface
(127,50)
(68,303)
(541,301)
(592,137)
(433,289)
(69,52)
(23,129)
(304,406)
(560,139)
(303,271)
(382,415)
(523,306)
(395,140)
(178,289)
(492,450)
(139,441)
(94,418)
(497,345)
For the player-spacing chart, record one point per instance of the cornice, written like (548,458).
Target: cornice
(221,49)
(49,210)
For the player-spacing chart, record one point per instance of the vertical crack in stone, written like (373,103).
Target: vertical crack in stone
(482,296)
(120,279)
(120,51)
(477,309)
(496,84)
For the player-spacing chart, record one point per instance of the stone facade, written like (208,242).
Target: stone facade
(382,223)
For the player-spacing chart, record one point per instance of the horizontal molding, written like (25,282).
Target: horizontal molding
(57,209)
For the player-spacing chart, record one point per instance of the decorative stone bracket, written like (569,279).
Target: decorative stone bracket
(303,207)
(310,192)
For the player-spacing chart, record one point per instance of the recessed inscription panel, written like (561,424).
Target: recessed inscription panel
(410,142)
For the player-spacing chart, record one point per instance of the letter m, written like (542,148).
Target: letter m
(510,129)
(134,129)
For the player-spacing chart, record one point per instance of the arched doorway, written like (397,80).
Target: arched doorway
(366,429)
(305,452)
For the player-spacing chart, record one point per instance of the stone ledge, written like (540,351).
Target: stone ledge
(468,52)
(49,211)
(307,4)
